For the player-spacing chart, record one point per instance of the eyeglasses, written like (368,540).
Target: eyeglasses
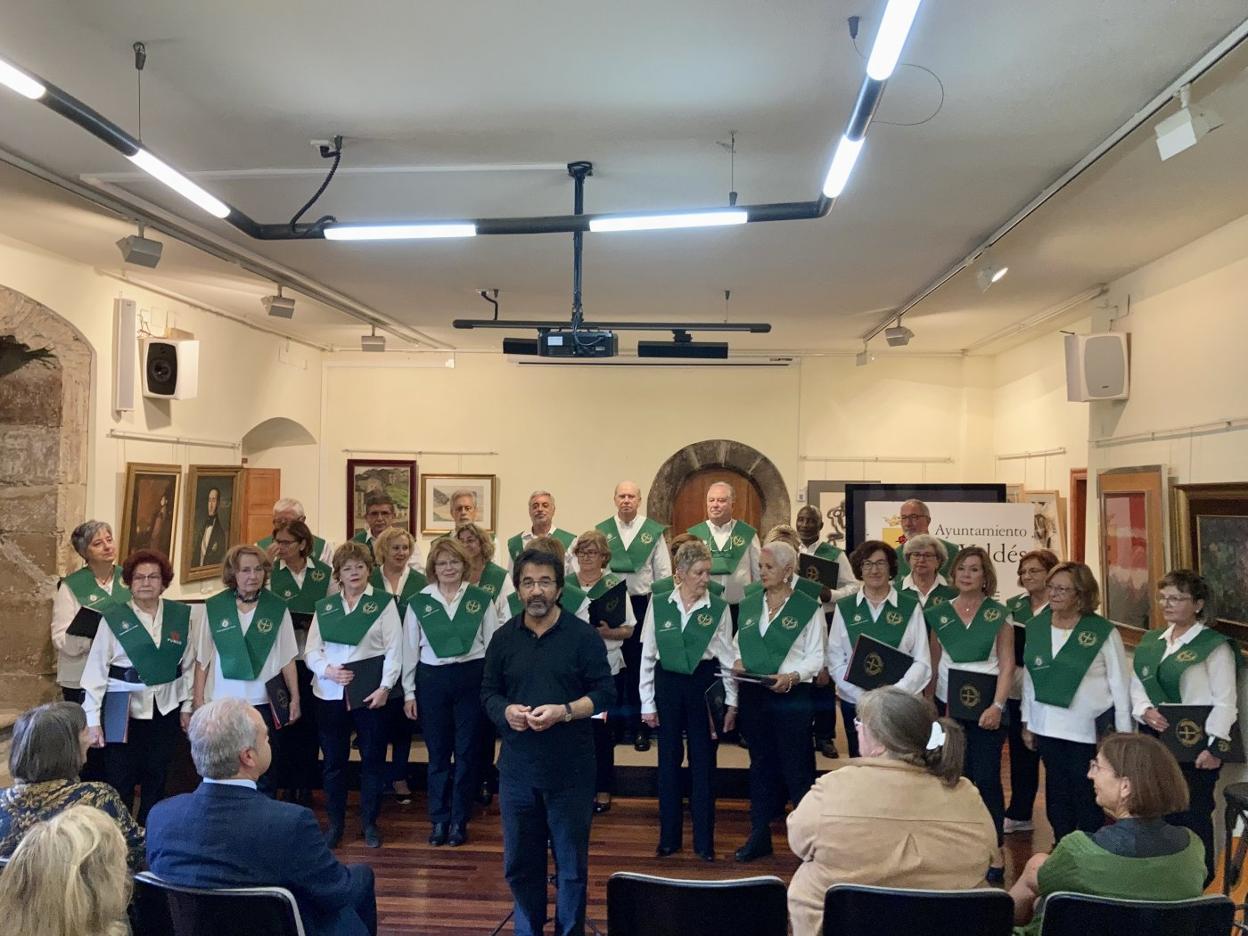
(875,564)
(1173,599)
(1062,590)
(921,555)
(155,577)
(915,517)
(544,583)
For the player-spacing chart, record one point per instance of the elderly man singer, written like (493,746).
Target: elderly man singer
(733,543)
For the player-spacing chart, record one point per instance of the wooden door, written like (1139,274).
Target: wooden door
(1078,529)
(689,505)
(261,489)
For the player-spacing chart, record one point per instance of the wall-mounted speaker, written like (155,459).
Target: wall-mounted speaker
(125,353)
(1097,367)
(170,368)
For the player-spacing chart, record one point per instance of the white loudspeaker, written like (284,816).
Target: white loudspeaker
(170,368)
(1097,367)
(125,353)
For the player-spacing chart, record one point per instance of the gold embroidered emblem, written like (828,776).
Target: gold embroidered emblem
(936,601)
(893,617)
(1185,656)
(488,589)
(813,573)
(873,664)
(705,619)
(317,575)
(738,541)
(969,696)
(789,623)
(1087,639)
(472,605)
(992,614)
(1188,733)
(370,607)
(1223,746)
(613,604)
(288,594)
(264,625)
(646,538)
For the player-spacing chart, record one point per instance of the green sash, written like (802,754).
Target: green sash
(361,536)
(572,597)
(415,582)
(156,665)
(1160,677)
(514,604)
(602,586)
(828,551)
(630,559)
(680,651)
(765,653)
(946,569)
(888,628)
(966,644)
(938,596)
(1020,608)
(492,579)
(88,592)
(339,627)
(452,636)
(724,561)
(664,586)
(316,576)
(318,546)
(1057,678)
(515,545)
(242,655)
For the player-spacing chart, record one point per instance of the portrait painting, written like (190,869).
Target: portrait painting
(149,508)
(1132,546)
(1049,521)
(438,493)
(394,477)
(1210,536)
(211,520)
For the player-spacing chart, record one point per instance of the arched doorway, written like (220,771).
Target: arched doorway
(762,498)
(689,505)
(281,458)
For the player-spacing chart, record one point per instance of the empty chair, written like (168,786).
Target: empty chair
(161,909)
(1070,914)
(655,906)
(863,910)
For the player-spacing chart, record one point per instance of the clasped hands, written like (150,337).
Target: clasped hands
(539,718)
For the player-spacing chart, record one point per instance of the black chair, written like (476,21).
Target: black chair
(640,904)
(161,909)
(1236,795)
(1068,914)
(863,910)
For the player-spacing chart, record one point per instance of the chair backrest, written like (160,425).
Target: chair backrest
(863,910)
(656,906)
(1083,915)
(162,909)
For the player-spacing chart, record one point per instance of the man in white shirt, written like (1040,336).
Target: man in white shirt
(542,523)
(733,543)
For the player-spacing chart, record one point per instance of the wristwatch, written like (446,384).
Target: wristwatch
(567,711)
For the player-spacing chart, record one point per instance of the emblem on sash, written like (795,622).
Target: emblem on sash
(738,541)
(668,625)
(610,537)
(370,607)
(944,619)
(488,589)
(613,604)
(175,637)
(472,605)
(873,664)
(1087,639)
(1143,670)
(857,618)
(936,601)
(95,597)
(813,573)
(288,594)
(264,625)
(126,627)
(224,625)
(1185,656)
(969,695)
(1039,661)
(428,608)
(751,622)
(789,623)
(317,575)
(1223,746)
(647,538)
(893,617)
(1188,733)
(705,619)
(991,615)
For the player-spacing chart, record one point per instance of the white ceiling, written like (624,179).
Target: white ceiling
(644,90)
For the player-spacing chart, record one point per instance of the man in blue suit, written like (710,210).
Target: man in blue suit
(226,834)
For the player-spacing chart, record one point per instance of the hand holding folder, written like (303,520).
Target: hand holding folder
(876,664)
(367,680)
(609,608)
(824,571)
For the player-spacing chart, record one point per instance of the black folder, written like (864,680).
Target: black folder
(279,699)
(1020,645)
(115,717)
(609,607)
(876,664)
(367,680)
(301,620)
(716,707)
(1106,724)
(970,694)
(85,623)
(823,571)
(1186,738)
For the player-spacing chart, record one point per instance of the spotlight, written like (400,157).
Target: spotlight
(1183,130)
(373,342)
(279,306)
(898,336)
(989,273)
(862,358)
(140,250)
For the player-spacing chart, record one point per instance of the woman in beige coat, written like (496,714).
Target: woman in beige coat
(901,815)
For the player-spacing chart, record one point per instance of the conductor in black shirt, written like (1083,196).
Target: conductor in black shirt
(546,673)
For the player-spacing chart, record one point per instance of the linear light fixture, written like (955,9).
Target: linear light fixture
(842,165)
(19,81)
(163,172)
(373,232)
(891,36)
(664,222)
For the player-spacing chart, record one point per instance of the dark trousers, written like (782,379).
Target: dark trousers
(450,713)
(849,711)
(399,738)
(93,769)
(1199,814)
(1024,768)
(604,757)
(143,760)
(823,702)
(982,766)
(334,722)
(680,702)
(627,691)
(1069,800)
(298,767)
(531,817)
(487,735)
(267,784)
(782,762)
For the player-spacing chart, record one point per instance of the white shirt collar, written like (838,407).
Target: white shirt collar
(637,518)
(721,527)
(674,597)
(233,781)
(861,595)
(908,582)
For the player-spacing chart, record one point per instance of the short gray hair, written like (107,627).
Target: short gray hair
(464,492)
(927,541)
(542,494)
(84,533)
(45,743)
(219,732)
(693,551)
(288,503)
(782,552)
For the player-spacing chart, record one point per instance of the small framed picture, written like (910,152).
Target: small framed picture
(439,491)
(1133,553)
(395,477)
(211,520)
(149,508)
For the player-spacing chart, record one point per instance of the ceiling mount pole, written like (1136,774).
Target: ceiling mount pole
(578,171)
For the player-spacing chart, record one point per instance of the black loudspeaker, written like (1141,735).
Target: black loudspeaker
(717,350)
(519,346)
(170,369)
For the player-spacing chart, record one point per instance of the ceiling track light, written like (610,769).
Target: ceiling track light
(863,357)
(279,306)
(373,342)
(1184,129)
(989,273)
(898,336)
(140,250)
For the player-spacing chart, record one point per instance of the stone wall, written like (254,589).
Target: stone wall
(720,453)
(45,392)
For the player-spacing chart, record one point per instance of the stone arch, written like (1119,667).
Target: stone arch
(278,432)
(46,371)
(720,453)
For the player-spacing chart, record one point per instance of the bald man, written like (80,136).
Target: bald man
(542,523)
(733,543)
(916,517)
(285,510)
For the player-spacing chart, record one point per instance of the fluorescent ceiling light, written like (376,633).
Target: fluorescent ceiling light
(891,36)
(179,183)
(367,232)
(20,82)
(842,165)
(661,222)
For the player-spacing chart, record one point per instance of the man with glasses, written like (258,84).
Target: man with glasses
(546,673)
(380,512)
(915,519)
(288,510)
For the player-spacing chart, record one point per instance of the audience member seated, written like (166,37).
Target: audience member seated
(1140,856)
(68,878)
(48,750)
(227,834)
(901,815)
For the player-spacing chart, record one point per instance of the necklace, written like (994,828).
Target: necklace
(773,607)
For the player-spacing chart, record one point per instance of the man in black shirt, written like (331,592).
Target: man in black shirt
(546,673)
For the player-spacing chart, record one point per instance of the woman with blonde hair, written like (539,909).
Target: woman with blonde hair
(68,878)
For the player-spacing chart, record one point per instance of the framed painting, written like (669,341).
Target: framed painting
(395,477)
(858,493)
(828,497)
(1050,520)
(1132,545)
(149,508)
(1210,536)
(211,520)
(438,491)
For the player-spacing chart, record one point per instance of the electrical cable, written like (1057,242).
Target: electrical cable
(853,35)
(329,218)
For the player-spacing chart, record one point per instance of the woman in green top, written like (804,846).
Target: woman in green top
(1140,857)
(926,556)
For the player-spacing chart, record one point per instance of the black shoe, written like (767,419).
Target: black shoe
(642,743)
(664,850)
(706,855)
(484,795)
(437,835)
(756,846)
(372,837)
(459,834)
(333,835)
(600,808)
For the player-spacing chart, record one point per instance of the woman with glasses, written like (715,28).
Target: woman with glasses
(1188,663)
(880,612)
(926,556)
(1033,569)
(1075,689)
(445,635)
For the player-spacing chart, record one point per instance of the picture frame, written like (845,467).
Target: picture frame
(828,497)
(1050,519)
(1209,535)
(149,508)
(858,493)
(211,519)
(397,477)
(1133,554)
(435,501)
